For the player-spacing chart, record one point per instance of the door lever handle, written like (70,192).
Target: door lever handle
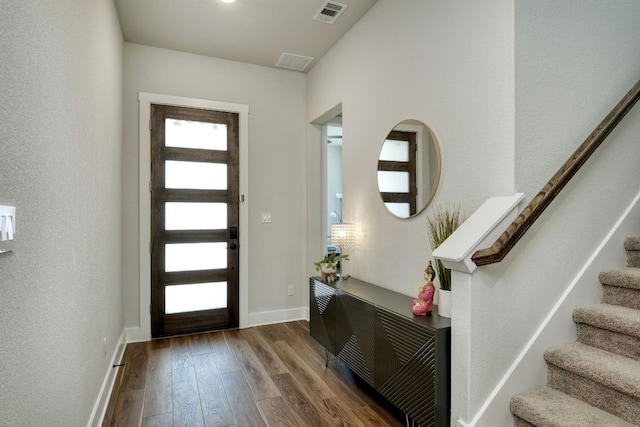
(232,246)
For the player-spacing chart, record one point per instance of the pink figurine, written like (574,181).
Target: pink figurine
(423,305)
(420,308)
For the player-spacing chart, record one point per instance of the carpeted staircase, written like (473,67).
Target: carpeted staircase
(596,380)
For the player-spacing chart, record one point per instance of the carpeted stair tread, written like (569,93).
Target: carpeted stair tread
(596,380)
(627,277)
(632,244)
(615,342)
(610,317)
(614,371)
(546,407)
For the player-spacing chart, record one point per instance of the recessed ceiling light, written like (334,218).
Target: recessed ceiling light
(228,1)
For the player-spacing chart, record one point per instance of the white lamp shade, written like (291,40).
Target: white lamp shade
(342,234)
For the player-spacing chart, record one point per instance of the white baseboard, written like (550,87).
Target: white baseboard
(278,316)
(100,407)
(136,335)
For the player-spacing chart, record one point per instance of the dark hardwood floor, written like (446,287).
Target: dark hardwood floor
(271,375)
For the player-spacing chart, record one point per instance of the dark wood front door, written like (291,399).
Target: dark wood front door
(194,220)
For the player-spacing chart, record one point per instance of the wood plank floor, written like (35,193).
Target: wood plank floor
(271,375)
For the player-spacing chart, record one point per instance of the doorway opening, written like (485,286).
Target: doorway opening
(332,136)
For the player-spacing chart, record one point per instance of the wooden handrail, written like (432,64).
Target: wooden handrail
(528,216)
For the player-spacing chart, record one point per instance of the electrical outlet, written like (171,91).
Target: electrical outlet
(290,291)
(104,348)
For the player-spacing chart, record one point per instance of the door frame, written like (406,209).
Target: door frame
(144,217)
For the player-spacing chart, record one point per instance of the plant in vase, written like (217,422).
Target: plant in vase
(441,224)
(328,266)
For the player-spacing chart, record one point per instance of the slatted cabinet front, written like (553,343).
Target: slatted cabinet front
(373,331)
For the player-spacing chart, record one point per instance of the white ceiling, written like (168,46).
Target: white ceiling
(252,31)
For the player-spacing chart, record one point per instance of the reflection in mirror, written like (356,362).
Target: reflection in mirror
(408,168)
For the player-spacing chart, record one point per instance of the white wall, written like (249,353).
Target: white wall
(277,164)
(574,61)
(449,65)
(60,164)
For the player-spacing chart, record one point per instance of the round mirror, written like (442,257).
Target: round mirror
(408,168)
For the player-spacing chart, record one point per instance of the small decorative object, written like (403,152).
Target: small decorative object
(328,266)
(441,224)
(423,305)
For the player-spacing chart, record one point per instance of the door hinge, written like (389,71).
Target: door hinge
(150,186)
(149,308)
(150,246)
(150,124)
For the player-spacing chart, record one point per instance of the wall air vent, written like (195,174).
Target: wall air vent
(329,11)
(294,62)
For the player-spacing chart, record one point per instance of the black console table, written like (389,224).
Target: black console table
(373,331)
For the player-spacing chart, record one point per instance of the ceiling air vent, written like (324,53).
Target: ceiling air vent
(329,11)
(294,62)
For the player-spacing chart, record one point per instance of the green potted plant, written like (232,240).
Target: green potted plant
(441,224)
(328,266)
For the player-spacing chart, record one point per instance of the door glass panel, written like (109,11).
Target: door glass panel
(195,216)
(195,175)
(195,297)
(195,256)
(393,182)
(192,134)
(399,209)
(396,151)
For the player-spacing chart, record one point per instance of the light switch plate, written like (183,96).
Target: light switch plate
(7,228)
